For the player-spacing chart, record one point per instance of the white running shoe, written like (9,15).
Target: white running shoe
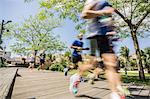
(115,95)
(74,82)
(66,71)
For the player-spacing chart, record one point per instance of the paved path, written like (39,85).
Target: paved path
(53,85)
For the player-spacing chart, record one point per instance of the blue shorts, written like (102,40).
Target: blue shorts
(101,32)
(104,30)
(42,61)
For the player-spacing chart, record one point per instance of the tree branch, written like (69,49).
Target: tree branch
(124,10)
(131,9)
(124,18)
(139,23)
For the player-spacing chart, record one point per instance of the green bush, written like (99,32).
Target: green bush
(57,67)
(60,65)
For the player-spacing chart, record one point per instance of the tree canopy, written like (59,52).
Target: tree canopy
(133,12)
(35,34)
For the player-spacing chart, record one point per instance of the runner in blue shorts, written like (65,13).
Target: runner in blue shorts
(76,57)
(98,14)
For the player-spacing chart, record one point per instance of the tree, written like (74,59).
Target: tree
(146,58)
(133,63)
(35,34)
(124,51)
(135,15)
(66,9)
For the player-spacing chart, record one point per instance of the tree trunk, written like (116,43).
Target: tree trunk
(138,55)
(148,69)
(133,29)
(126,65)
(34,59)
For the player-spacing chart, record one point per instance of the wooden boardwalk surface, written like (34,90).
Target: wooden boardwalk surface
(53,85)
(7,77)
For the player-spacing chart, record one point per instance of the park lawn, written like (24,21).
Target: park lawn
(134,73)
(131,78)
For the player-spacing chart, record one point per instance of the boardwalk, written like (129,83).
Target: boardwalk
(53,85)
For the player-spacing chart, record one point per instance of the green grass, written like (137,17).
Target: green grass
(133,77)
(134,73)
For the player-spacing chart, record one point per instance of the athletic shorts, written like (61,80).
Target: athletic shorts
(76,59)
(102,31)
(42,61)
(102,44)
(31,61)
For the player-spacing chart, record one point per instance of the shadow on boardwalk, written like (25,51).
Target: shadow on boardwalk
(86,96)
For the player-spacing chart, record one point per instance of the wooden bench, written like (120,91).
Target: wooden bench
(7,78)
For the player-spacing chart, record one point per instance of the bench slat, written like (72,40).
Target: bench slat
(7,76)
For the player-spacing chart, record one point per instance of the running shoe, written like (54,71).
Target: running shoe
(65,71)
(115,95)
(74,82)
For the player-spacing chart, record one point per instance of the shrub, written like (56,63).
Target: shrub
(57,67)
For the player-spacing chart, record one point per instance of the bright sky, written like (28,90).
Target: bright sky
(17,11)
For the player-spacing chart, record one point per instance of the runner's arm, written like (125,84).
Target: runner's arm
(88,13)
(76,47)
(79,48)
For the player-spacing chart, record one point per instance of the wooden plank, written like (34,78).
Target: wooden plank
(53,85)
(145,91)
(85,91)
(136,89)
(7,78)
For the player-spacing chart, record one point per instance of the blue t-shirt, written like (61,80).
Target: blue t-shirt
(79,44)
(95,25)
